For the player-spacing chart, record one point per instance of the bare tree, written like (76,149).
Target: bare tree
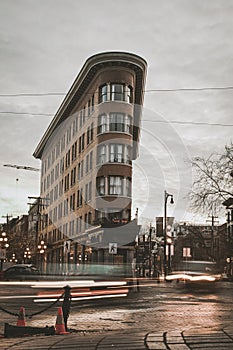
(212,181)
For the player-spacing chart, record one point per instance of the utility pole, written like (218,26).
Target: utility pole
(213,221)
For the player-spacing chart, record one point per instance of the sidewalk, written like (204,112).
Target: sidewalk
(214,339)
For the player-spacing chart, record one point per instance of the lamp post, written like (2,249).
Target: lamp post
(166,196)
(27,255)
(42,248)
(3,245)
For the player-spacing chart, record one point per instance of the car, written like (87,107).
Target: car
(21,272)
(196,273)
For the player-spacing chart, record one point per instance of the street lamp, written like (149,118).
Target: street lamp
(27,255)
(42,248)
(3,245)
(166,196)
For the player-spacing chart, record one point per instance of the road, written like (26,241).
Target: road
(156,307)
(163,305)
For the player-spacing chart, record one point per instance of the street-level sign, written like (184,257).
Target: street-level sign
(112,248)
(2,253)
(187,252)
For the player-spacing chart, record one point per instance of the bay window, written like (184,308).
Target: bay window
(116,153)
(116,122)
(115,185)
(117,92)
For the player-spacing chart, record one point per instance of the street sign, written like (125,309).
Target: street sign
(112,248)
(67,247)
(2,253)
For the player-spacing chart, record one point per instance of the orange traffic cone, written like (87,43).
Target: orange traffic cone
(21,318)
(59,326)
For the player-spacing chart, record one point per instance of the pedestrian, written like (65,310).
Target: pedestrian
(66,305)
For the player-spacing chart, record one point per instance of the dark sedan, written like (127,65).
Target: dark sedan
(21,272)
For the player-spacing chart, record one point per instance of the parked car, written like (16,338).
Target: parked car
(21,272)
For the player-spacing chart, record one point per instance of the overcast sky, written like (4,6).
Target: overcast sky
(186,43)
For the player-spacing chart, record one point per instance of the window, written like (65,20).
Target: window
(103,93)
(71,227)
(91,160)
(56,171)
(80,170)
(86,193)
(79,224)
(100,186)
(65,207)
(56,192)
(68,159)
(89,217)
(60,206)
(90,191)
(117,122)
(129,94)
(61,187)
(82,117)
(72,202)
(116,153)
(58,149)
(86,221)
(83,142)
(87,163)
(62,165)
(117,92)
(128,124)
(90,133)
(102,123)
(67,182)
(101,154)
(128,158)
(73,177)
(89,107)
(68,135)
(115,185)
(80,197)
(74,151)
(92,103)
(128,186)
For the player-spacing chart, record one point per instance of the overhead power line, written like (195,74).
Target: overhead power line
(192,89)
(34,94)
(205,88)
(185,122)
(26,113)
(144,120)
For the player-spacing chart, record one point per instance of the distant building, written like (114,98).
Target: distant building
(87,153)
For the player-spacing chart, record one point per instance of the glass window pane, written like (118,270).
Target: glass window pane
(117,92)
